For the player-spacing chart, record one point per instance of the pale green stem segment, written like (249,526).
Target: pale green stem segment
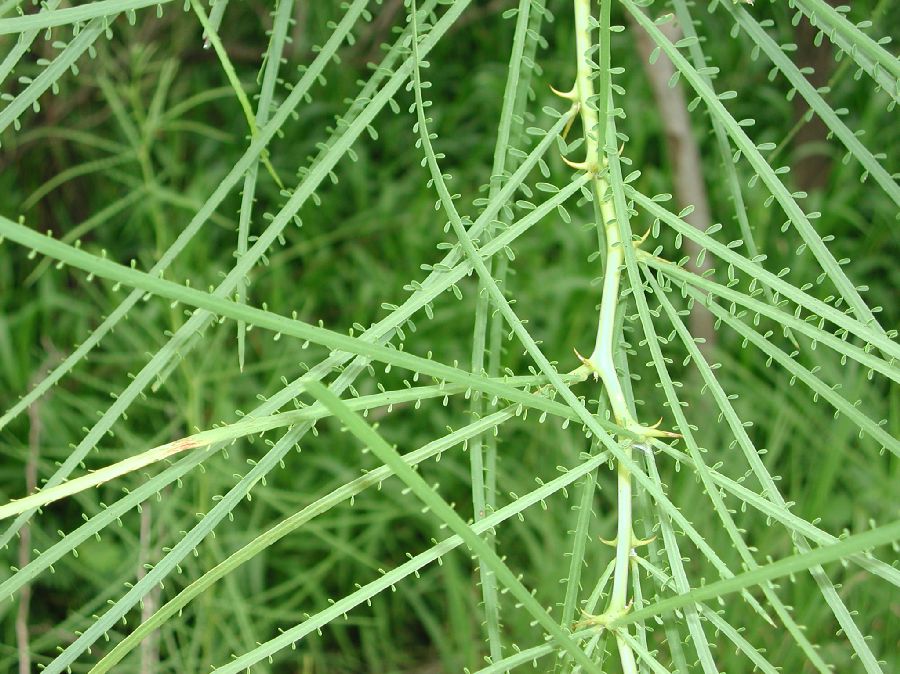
(50,17)
(273,59)
(228,432)
(215,19)
(601,359)
(482,470)
(212,38)
(284,527)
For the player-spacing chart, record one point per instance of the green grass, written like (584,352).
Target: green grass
(225,234)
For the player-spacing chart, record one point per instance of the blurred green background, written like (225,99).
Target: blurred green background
(72,169)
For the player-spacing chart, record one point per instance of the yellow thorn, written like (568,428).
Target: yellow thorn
(653,432)
(635,541)
(565,131)
(569,95)
(588,364)
(578,166)
(640,242)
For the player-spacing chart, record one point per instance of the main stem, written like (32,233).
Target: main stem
(601,359)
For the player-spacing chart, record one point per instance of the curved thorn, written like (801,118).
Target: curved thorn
(653,432)
(565,131)
(588,364)
(640,242)
(637,542)
(569,95)
(578,166)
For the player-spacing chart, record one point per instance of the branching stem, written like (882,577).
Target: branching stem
(601,359)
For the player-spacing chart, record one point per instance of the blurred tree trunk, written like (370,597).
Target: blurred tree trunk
(684,160)
(812,162)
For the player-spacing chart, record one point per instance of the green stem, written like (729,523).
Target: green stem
(601,359)
(228,432)
(481,500)
(388,455)
(856,543)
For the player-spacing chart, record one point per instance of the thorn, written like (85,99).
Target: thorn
(654,432)
(578,166)
(569,95)
(565,131)
(635,541)
(588,364)
(640,242)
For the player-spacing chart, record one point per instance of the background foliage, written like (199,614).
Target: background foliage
(138,132)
